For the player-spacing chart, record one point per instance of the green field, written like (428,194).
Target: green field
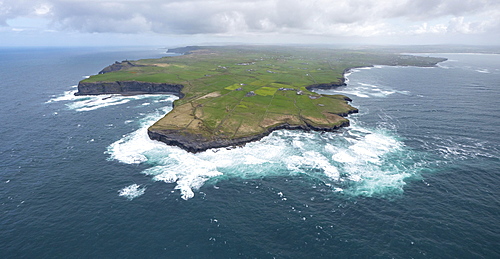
(240,91)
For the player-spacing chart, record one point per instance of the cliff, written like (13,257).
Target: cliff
(128,87)
(198,143)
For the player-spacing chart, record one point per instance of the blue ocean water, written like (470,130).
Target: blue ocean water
(415,176)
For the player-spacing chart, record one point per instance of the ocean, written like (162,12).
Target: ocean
(416,175)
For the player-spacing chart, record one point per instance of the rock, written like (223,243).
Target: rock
(197,143)
(118,66)
(128,87)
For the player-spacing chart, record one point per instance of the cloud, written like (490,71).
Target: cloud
(233,17)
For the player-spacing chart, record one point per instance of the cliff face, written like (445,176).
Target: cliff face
(197,143)
(327,86)
(128,87)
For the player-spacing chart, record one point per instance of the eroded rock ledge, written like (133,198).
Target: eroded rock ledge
(197,143)
(128,88)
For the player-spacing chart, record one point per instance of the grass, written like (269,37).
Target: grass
(266,91)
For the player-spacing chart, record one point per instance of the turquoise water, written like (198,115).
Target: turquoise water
(415,175)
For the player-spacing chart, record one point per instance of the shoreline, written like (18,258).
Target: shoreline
(194,143)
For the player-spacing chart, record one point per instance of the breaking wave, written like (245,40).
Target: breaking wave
(365,90)
(132,191)
(93,102)
(355,161)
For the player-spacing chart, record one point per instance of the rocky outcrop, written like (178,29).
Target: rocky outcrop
(118,66)
(340,82)
(128,87)
(327,86)
(197,143)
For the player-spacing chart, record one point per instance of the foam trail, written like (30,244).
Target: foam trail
(132,191)
(93,102)
(376,162)
(187,170)
(485,71)
(131,148)
(460,148)
(66,96)
(365,90)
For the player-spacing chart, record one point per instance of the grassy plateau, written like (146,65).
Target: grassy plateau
(237,92)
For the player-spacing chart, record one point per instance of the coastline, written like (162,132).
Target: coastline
(197,143)
(196,125)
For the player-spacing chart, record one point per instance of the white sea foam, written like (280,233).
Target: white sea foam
(66,96)
(131,147)
(93,102)
(369,85)
(462,148)
(376,161)
(357,162)
(132,191)
(187,170)
(483,70)
(365,90)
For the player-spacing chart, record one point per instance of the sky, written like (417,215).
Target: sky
(180,22)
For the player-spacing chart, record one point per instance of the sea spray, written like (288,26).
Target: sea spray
(356,160)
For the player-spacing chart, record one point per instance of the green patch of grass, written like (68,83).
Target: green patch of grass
(233,87)
(265,91)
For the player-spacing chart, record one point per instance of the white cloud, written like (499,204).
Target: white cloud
(42,9)
(458,25)
(425,28)
(364,18)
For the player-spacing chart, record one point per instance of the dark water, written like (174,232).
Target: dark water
(415,176)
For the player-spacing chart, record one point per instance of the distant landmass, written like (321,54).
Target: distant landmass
(232,95)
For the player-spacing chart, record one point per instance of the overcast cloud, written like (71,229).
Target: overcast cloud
(361,19)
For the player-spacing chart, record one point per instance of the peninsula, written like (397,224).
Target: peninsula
(232,95)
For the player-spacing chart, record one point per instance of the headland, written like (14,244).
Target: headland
(232,95)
